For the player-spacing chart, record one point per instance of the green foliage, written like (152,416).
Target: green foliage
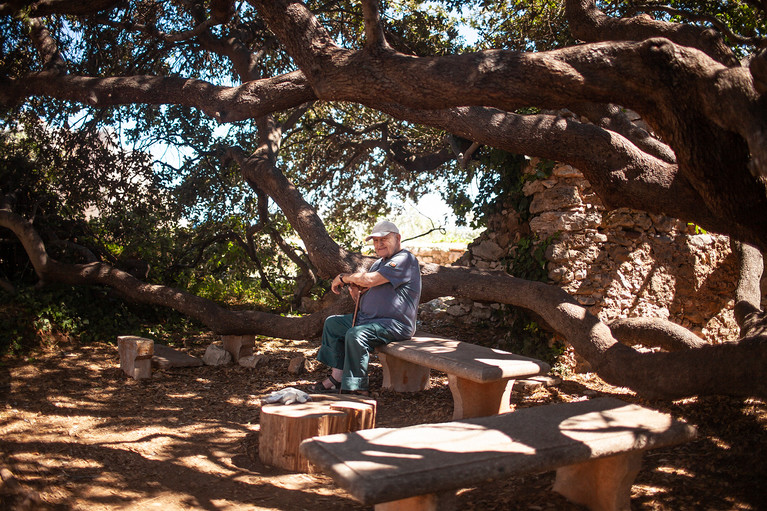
(525,337)
(422,28)
(695,228)
(527,260)
(348,160)
(498,180)
(742,18)
(522,25)
(64,315)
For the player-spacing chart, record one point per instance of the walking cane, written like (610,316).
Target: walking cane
(356,308)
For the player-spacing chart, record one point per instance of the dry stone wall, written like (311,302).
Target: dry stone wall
(619,263)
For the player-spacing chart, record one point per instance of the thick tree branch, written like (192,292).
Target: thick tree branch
(39,8)
(748,294)
(218,319)
(226,104)
(678,90)
(614,118)
(375,38)
(590,24)
(756,41)
(724,369)
(244,60)
(731,369)
(654,332)
(618,171)
(261,170)
(50,56)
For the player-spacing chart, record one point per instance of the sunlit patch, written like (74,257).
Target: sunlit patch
(675,471)
(385,454)
(183,395)
(646,489)
(719,442)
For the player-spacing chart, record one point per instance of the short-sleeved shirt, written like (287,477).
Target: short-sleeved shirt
(394,304)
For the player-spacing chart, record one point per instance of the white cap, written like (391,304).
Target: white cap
(383,228)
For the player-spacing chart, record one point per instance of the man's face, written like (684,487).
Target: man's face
(387,246)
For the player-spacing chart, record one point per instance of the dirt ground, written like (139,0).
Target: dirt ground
(75,433)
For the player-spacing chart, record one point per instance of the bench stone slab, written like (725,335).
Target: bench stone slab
(166,357)
(466,360)
(383,465)
(480,378)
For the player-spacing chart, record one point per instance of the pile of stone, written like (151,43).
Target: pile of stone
(619,264)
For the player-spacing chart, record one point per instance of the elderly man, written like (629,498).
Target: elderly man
(387,296)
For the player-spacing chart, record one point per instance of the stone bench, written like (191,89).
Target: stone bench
(480,378)
(595,447)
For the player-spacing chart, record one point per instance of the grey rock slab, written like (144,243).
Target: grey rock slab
(165,357)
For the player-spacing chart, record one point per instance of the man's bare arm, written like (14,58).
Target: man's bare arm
(363,279)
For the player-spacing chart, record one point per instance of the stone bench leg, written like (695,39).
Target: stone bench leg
(239,345)
(135,356)
(472,399)
(444,501)
(402,376)
(603,484)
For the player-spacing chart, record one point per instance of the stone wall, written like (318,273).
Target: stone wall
(441,254)
(619,264)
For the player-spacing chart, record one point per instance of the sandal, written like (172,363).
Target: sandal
(320,388)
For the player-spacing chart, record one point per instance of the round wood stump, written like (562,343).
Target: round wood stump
(284,427)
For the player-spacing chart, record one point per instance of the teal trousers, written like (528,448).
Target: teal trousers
(348,348)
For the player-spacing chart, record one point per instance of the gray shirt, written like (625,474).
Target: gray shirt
(394,304)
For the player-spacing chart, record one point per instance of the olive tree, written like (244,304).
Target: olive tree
(696,84)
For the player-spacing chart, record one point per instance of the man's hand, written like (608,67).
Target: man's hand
(337,284)
(356,291)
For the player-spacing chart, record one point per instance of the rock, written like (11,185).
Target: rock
(481,313)
(535,382)
(252,361)
(701,241)
(239,345)
(559,197)
(297,365)
(560,253)
(619,218)
(565,171)
(549,222)
(165,357)
(533,187)
(216,356)
(488,250)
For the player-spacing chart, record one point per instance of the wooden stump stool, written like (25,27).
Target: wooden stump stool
(284,427)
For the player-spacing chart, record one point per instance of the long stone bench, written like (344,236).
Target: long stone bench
(595,446)
(480,378)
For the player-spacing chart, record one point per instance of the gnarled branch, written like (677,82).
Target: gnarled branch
(590,24)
